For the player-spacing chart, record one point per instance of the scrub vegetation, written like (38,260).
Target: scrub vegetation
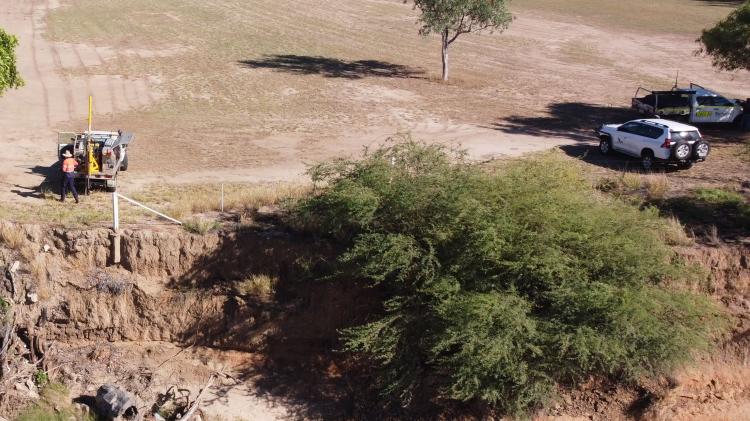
(497,285)
(54,405)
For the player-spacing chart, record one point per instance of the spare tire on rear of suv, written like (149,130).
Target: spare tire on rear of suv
(701,149)
(681,151)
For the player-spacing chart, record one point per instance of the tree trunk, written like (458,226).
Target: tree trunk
(445,55)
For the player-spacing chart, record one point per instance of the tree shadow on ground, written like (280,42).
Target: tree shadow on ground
(293,334)
(332,67)
(711,221)
(724,134)
(572,120)
(732,3)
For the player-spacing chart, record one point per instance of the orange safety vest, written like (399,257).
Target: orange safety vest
(69,165)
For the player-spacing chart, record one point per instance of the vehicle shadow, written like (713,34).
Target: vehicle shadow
(571,120)
(332,67)
(589,153)
(724,133)
(51,181)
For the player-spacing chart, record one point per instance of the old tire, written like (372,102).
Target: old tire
(605,145)
(701,149)
(647,160)
(124,165)
(681,151)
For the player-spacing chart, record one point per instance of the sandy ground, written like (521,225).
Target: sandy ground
(201,116)
(59,77)
(512,93)
(162,365)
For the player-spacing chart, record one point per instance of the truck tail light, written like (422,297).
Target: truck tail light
(667,143)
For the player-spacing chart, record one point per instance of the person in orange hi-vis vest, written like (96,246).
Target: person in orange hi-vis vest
(68,166)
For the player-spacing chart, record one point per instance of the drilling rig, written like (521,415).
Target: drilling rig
(101,154)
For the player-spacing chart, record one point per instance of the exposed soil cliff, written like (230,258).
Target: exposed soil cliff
(175,288)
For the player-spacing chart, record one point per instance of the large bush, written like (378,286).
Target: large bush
(499,284)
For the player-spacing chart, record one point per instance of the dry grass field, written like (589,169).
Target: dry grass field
(248,93)
(245,91)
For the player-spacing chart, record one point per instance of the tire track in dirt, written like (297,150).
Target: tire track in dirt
(108,77)
(68,92)
(40,77)
(123,95)
(87,77)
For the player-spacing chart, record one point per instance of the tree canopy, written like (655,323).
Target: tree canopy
(497,285)
(452,18)
(728,43)
(9,77)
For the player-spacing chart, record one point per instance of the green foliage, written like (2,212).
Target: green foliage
(498,285)
(719,196)
(452,18)
(4,306)
(41,378)
(462,16)
(728,43)
(9,77)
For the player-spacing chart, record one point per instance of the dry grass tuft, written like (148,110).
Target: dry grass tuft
(631,180)
(675,235)
(259,285)
(13,236)
(180,201)
(200,226)
(712,234)
(657,186)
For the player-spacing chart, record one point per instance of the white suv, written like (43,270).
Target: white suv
(654,140)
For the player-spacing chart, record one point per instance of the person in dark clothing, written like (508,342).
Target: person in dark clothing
(68,181)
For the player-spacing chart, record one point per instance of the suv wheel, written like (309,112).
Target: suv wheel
(605,146)
(701,149)
(681,151)
(647,160)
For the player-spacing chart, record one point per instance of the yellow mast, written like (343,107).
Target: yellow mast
(91,108)
(93,166)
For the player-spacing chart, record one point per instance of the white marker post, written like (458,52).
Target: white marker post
(116,222)
(116,229)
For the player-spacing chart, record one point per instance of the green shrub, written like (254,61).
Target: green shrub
(41,378)
(497,286)
(4,306)
(719,197)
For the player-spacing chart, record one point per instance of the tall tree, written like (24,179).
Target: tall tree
(9,77)
(451,18)
(728,43)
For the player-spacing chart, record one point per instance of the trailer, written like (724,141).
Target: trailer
(694,104)
(101,155)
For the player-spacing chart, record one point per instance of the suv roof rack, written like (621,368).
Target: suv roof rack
(653,123)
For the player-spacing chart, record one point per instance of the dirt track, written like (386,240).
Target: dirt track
(221,104)
(59,77)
